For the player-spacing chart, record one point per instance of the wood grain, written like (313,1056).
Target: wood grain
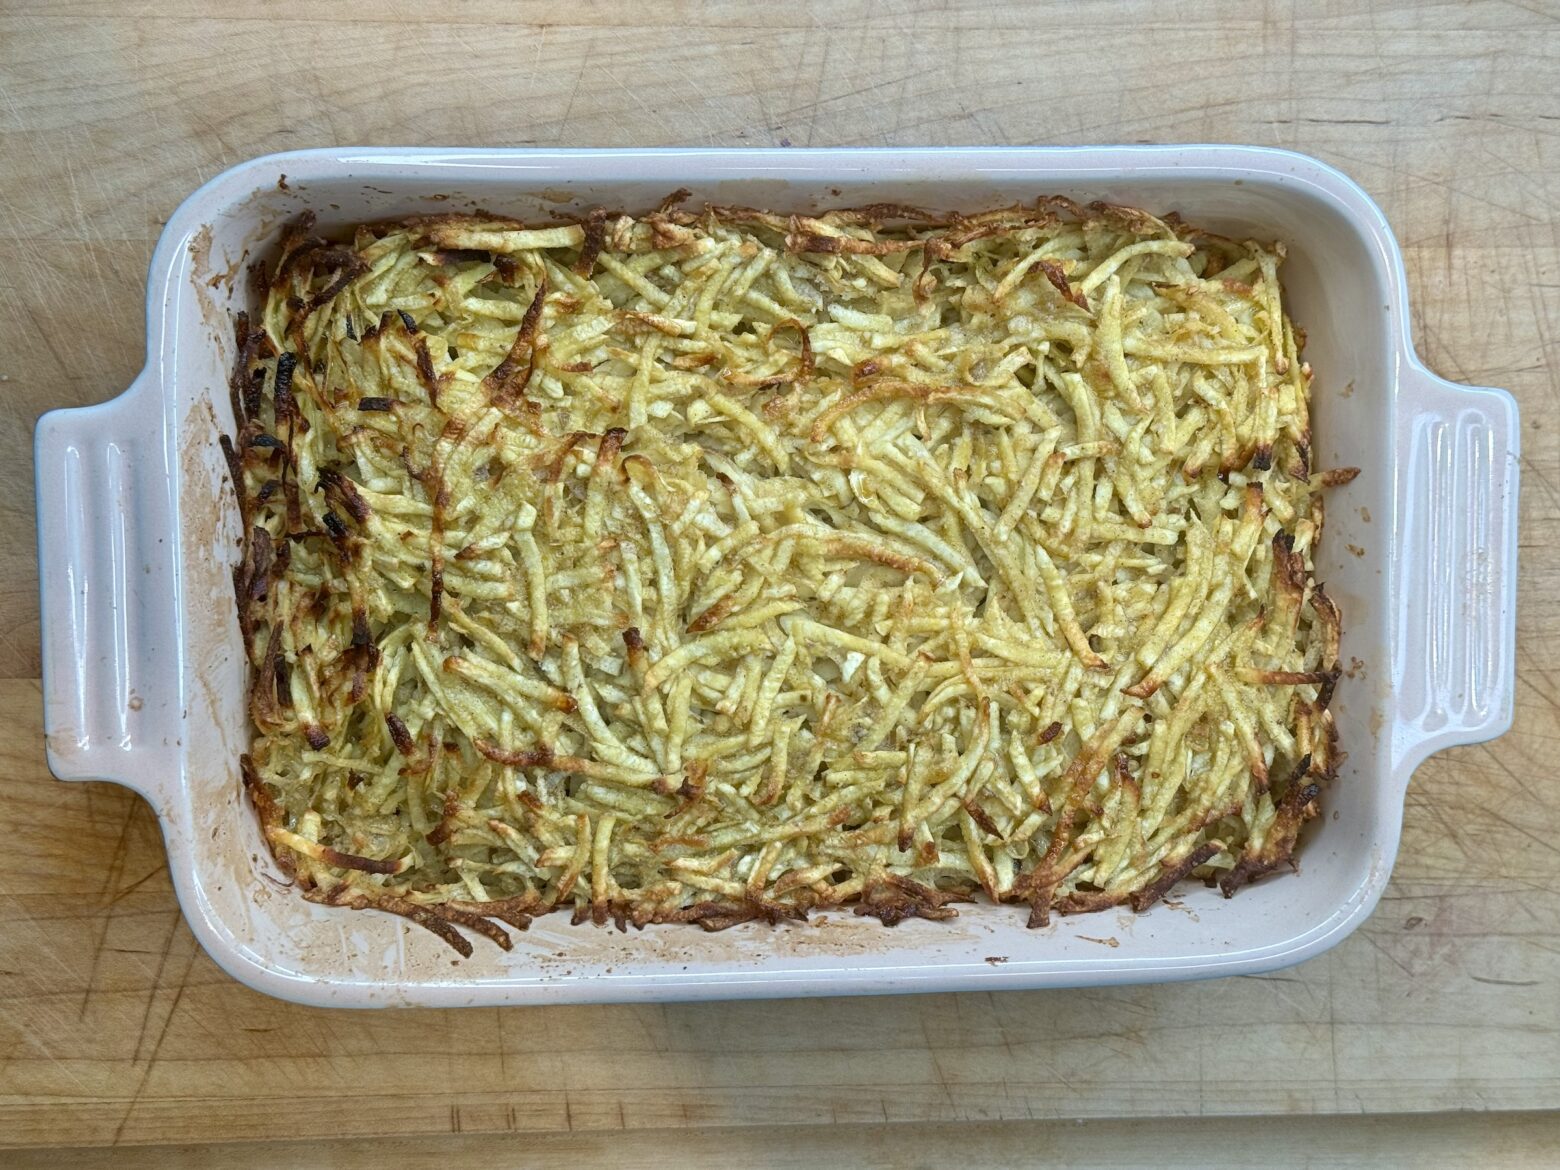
(115,1028)
(1510,1141)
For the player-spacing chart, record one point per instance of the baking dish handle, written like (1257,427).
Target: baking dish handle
(108,591)
(1455,564)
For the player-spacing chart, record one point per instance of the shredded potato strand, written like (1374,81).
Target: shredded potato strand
(702,567)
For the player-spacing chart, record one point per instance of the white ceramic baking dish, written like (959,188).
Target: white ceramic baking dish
(144,673)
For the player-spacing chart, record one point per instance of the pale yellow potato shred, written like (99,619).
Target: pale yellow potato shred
(716,564)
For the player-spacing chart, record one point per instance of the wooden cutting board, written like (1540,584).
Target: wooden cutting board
(115,1028)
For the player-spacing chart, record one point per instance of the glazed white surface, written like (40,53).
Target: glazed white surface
(144,672)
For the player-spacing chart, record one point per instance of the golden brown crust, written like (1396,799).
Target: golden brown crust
(809,589)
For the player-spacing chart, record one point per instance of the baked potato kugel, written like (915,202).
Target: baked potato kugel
(718,564)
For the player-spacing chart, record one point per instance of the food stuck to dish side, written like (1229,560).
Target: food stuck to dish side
(711,565)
